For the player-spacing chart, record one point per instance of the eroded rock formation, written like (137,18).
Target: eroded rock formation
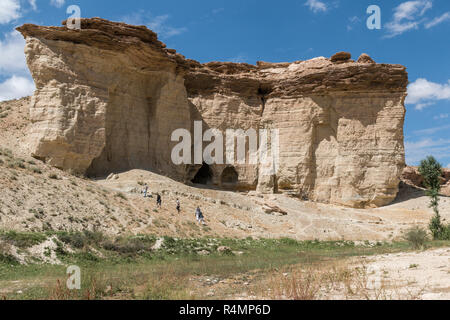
(411,176)
(110,95)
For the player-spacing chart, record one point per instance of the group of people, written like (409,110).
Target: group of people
(198,213)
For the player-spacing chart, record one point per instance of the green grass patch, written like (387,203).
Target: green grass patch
(23,240)
(127,266)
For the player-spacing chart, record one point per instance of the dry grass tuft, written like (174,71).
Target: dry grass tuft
(338,282)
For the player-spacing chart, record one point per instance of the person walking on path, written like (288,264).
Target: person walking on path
(178,206)
(145,190)
(199,216)
(158,200)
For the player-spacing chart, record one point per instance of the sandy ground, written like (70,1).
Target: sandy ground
(425,275)
(421,275)
(242,214)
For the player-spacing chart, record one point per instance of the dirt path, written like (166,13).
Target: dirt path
(242,214)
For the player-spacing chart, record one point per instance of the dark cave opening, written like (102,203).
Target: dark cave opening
(229,176)
(263,91)
(203,176)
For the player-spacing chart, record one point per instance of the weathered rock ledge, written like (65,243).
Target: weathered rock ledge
(412,177)
(110,95)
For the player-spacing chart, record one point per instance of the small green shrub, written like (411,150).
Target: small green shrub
(76,240)
(37,170)
(23,240)
(445,233)
(80,240)
(417,237)
(8,259)
(121,195)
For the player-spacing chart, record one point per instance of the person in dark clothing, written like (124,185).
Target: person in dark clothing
(199,216)
(158,200)
(178,206)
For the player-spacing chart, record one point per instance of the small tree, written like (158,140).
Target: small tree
(431,171)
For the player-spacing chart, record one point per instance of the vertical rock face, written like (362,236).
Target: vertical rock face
(109,97)
(340,124)
(106,98)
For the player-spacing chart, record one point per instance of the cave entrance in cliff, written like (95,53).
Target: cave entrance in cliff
(263,91)
(229,178)
(204,175)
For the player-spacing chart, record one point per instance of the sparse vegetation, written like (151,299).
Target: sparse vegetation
(121,196)
(431,171)
(128,267)
(36,170)
(417,236)
(21,239)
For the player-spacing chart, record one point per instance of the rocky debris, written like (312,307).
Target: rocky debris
(412,177)
(224,250)
(341,56)
(238,225)
(273,209)
(365,58)
(446,189)
(113,176)
(158,244)
(268,65)
(114,105)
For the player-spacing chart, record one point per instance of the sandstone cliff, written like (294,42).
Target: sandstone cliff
(110,95)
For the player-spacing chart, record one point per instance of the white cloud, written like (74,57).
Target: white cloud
(424,93)
(157,24)
(448,166)
(407,16)
(218,10)
(421,106)
(9,10)
(441,116)
(16,87)
(12,57)
(431,131)
(418,150)
(240,58)
(409,9)
(57,3)
(438,20)
(13,67)
(316,6)
(33,4)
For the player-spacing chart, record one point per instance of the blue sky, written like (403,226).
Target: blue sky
(413,33)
